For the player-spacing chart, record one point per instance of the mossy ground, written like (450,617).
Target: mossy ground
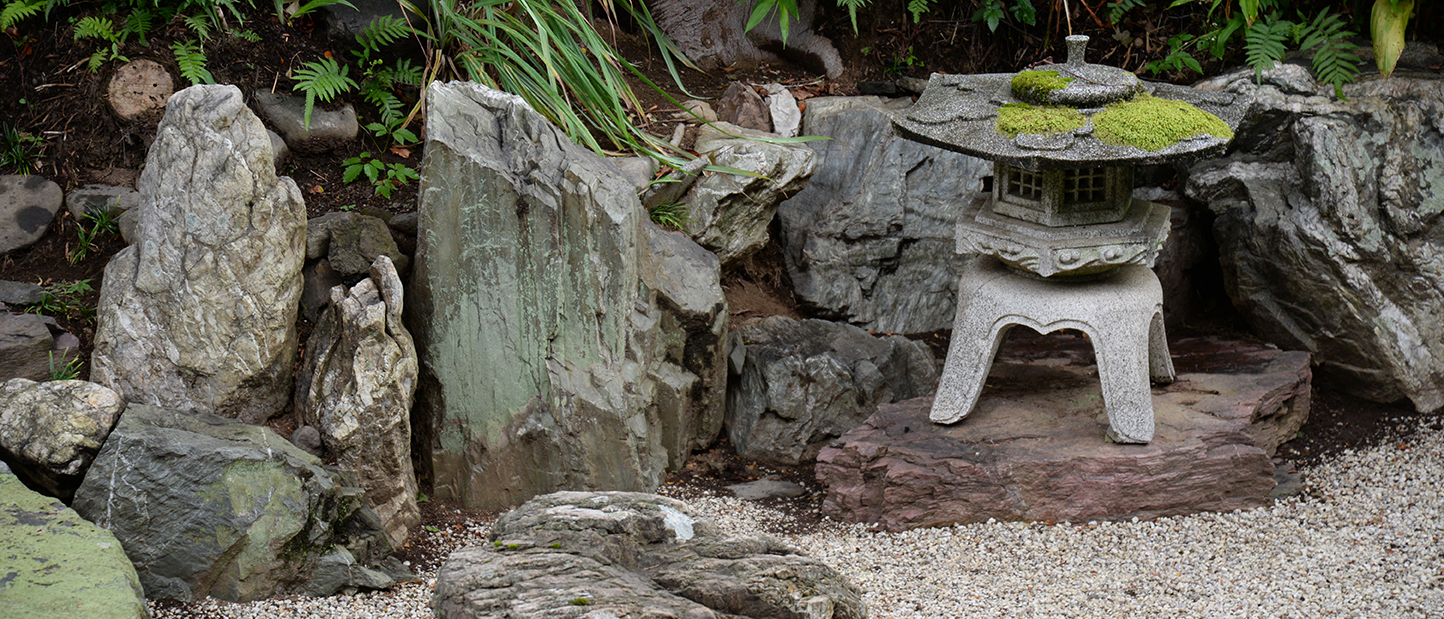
(1152,124)
(1016,118)
(1035,85)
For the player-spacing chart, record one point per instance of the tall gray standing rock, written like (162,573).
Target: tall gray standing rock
(1329,227)
(807,382)
(356,387)
(537,339)
(199,314)
(870,239)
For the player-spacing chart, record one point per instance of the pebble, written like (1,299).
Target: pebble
(1362,540)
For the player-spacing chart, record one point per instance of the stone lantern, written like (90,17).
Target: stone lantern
(1060,240)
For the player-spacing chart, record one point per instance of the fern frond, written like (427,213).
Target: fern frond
(382,31)
(852,7)
(1117,9)
(199,24)
(407,73)
(96,28)
(1266,45)
(246,35)
(138,24)
(17,11)
(918,7)
(192,62)
(1334,63)
(324,80)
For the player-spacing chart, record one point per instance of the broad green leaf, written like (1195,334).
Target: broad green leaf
(1387,29)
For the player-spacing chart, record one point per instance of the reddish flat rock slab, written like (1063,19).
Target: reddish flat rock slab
(1035,449)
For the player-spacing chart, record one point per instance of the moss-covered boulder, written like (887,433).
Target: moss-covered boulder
(55,564)
(206,505)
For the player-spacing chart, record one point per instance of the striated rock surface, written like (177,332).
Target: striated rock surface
(51,431)
(1034,448)
(54,564)
(870,239)
(540,345)
(730,213)
(616,554)
(356,387)
(804,383)
(199,314)
(205,505)
(1329,227)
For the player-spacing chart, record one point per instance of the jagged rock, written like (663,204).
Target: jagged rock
(729,214)
(57,564)
(96,199)
(351,242)
(50,432)
(287,113)
(200,313)
(537,339)
(638,170)
(786,117)
(742,106)
(140,87)
(319,279)
(27,206)
(618,554)
(698,110)
(356,387)
(807,382)
(20,293)
(870,239)
(713,34)
(205,505)
(675,185)
(1034,448)
(26,347)
(1329,227)
(687,279)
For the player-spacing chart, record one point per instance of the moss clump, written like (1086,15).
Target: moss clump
(1035,85)
(581,602)
(1150,123)
(1016,118)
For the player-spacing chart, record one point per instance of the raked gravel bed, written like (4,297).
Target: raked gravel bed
(1363,540)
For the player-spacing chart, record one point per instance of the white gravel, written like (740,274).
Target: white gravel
(1362,541)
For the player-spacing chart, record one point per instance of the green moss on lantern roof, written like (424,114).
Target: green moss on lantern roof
(1035,85)
(1153,124)
(1016,118)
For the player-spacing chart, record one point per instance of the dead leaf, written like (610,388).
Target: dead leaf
(400,151)
(318,189)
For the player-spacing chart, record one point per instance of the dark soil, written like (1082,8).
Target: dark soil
(50,93)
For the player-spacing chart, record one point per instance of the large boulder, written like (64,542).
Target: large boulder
(539,339)
(27,206)
(351,242)
(615,554)
(1034,448)
(206,505)
(50,431)
(870,239)
(804,383)
(729,214)
(1329,227)
(199,313)
(55,564)
(27,348)
(356,387)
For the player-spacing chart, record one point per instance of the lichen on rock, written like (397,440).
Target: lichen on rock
(1016,118)
(1153,123)
(1034,86)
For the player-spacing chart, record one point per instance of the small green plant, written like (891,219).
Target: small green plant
(17,150)
(670,215)
(903,61)
(386,177)
(101,28)
(581,602)
(62,300)
(991,13)
(324,79)
(192,62)
(1118,9)
(17,11)
(420,496)
(431,529)
(104,223)
(556,545)
(70,370)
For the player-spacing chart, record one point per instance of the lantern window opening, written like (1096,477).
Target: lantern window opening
(1025,184)
(1085,185)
